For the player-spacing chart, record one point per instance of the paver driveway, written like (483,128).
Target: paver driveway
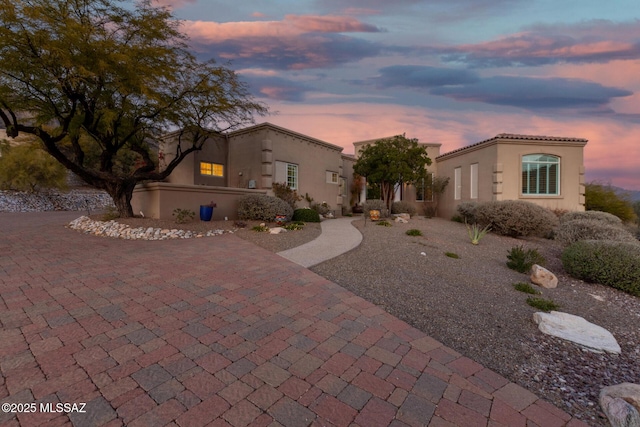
(216,331)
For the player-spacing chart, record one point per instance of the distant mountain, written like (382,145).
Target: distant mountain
(633,194)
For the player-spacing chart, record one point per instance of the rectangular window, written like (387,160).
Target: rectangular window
(474,181)
(457,180)
(343,186)
(424,189)
(211,169)
(332,177)
(287,173)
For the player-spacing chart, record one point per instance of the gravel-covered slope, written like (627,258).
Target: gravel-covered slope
(469,304)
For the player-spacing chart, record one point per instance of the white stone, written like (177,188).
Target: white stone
(401,220)
(628,391)
(543,277)
(423,253)
(276,230)
(577,330)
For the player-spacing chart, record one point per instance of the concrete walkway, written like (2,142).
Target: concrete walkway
(218,332)
(338,236)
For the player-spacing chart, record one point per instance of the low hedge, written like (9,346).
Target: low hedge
(375,204)
(306,215)
(260,207)
(591,229)
(611,263)
(592,215)
(516,218)
(403,207)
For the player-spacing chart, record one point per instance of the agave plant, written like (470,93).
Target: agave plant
(476,233)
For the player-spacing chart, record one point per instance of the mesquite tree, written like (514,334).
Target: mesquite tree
(98,84)
(391,162)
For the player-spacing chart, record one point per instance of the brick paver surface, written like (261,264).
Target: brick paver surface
(217,331)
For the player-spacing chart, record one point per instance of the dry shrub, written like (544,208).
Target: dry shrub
(516,218)
(467,211)
(605,217)
(375,204)
(403,207)
(260,207)
(591,229)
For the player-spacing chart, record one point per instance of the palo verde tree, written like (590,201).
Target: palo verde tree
(98,83)
(391,162)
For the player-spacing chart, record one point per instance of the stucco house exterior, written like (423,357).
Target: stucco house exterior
(548,171)
(545,170)
(249,161)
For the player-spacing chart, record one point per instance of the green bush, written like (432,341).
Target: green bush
(403,207)
(542,304)
(526,288)
(260,207)
(384,223)
(590,229)
(306,215)
(600,197)
(467,212)
(516,218)
(375,204)
(452,255)
(611,263)
(413,232)
(521,259)
(28,167)
(594,215)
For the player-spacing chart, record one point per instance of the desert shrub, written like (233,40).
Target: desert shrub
(375,204)
(590,229)
(294,226)
(542,304)
(594,215)
(516,218)
(608,262)
(260,228)
(452,255)
(384,223)
(28,167)
(526,288)
(457,218)
(260,207)
(521,259)
(403,207)
(413,232)
(306,215)
(601,197)
(322,208)
(429,210)
(467,211)
(183,215)
(286,193)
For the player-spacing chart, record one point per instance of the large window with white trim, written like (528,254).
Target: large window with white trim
(540,175)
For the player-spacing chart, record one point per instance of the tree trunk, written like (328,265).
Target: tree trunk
(121,192)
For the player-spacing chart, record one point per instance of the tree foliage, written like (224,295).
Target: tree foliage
(601,197)
(98,84)
(391,162)
(27,167)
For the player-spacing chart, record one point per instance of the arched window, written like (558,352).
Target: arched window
(541,175)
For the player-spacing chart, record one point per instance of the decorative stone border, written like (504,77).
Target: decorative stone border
(123,231)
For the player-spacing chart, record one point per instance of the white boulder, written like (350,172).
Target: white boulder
(577,330)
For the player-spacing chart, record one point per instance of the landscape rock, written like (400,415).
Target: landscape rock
(619,412)
(543,277)
(577,330)
(628,391)
(401,220)
(404,216)
(276,230)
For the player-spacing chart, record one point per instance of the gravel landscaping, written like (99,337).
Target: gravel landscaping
(470,305)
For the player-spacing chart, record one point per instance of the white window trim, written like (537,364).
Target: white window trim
(282,170)
(457,180)
(333,177)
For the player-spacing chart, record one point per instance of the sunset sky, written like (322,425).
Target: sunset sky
(449,71)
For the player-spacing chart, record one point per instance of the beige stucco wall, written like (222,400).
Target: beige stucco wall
(253,154)
(159,199)
(500,175)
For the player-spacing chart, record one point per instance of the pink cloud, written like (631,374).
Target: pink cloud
(611,154)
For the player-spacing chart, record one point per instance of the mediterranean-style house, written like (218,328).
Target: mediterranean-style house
(545,170)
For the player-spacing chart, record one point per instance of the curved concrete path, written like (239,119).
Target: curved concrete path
(338,236)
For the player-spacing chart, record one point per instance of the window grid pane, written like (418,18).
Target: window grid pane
(540,174)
